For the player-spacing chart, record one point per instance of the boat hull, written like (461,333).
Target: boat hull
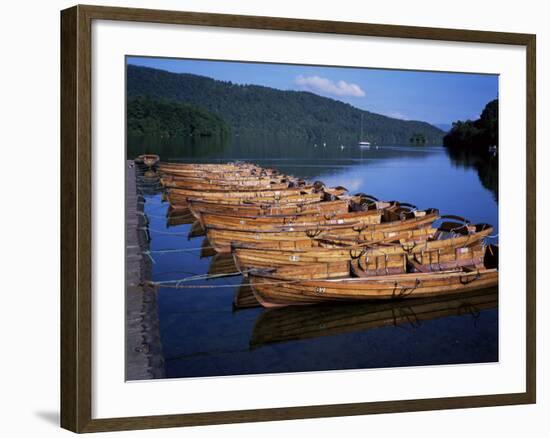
(274,290)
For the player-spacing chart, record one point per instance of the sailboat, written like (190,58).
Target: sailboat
(363,143)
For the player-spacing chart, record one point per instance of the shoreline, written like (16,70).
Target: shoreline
(144,357)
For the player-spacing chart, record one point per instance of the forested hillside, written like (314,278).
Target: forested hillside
(476,135)
(167,118)
(256,110)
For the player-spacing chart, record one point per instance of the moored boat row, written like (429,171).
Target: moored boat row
(301,243)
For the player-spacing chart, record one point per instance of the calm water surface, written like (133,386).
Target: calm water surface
(203,335)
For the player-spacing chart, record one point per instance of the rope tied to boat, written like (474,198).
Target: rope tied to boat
(167,233)
(469,279)
(214,286)
(404,291)
(172,250)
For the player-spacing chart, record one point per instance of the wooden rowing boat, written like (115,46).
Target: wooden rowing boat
(216,172)
(166,166)
(225,186)
(416,228)
(198,207)
(244,192)
(234,180)
(299,322)
(436,250)
(270,222)
(292,199)
(440,253)
(323,282)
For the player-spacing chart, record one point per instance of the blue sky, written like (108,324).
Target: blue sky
(434,97)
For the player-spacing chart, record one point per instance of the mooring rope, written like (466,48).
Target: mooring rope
(157,216)
(212,286)
(166,233)
(172,250)
(198,277)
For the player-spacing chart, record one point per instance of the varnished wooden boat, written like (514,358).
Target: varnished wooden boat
(176,195)
(165,166)
(234,180)
(411,229)
(236,186)
(324,282)
(299,322)
(269,222)
(216,171)
(440,251)
(288,198)
(198,207)
(243,193)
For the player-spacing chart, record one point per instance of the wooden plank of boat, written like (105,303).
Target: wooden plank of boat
(198,207)
(307,322)
(271,222)
(304,285)
(413,229)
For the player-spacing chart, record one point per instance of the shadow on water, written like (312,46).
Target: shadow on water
(298,323)
(485,164)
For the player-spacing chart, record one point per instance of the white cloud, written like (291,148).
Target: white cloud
(396,115)
(326,86)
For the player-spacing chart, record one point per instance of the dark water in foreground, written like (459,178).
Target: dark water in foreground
(203,335)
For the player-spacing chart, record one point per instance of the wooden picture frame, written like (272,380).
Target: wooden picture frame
(76,217)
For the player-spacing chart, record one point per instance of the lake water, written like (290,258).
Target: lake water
(203,335)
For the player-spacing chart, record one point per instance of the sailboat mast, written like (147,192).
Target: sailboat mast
(361,138)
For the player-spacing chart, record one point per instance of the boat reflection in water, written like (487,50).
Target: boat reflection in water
(244,297)
(222,264)
(305,322)
(179,216)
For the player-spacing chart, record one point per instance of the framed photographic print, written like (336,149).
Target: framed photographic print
(343,224)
